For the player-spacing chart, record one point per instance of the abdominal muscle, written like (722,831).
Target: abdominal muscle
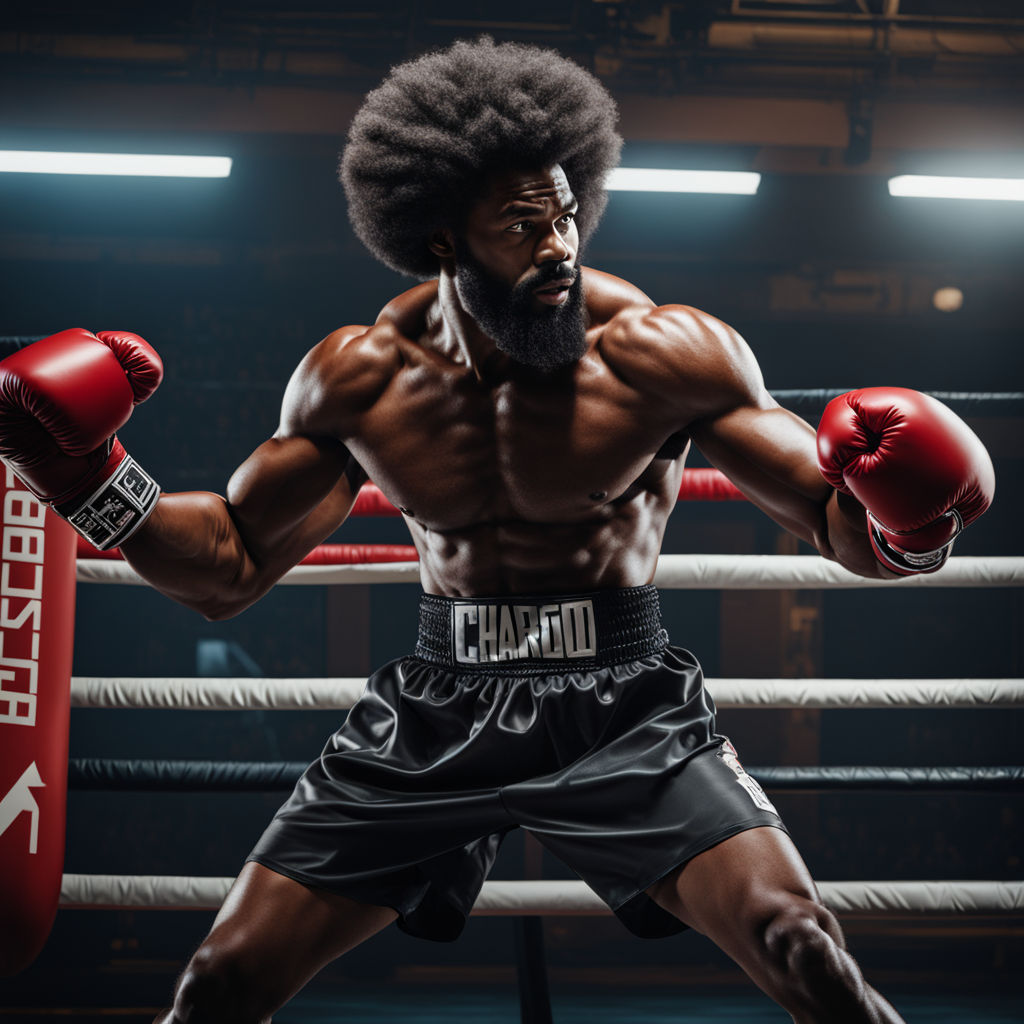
(617,546)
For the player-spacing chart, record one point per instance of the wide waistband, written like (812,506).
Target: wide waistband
(547,632)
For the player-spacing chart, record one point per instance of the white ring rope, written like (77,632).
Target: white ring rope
(674,572)
(555,897)
(209,694)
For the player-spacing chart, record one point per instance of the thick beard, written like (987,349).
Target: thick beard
(545,340)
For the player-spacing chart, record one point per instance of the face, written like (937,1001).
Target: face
(516,272)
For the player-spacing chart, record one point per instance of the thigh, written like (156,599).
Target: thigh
(273,934)
(729,891)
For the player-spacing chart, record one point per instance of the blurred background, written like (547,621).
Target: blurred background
(832,281)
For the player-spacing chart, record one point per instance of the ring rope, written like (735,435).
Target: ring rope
(549,897)
(674,572)
(809,402)
(697,484)
(92,773)
(322,554)
(217,694)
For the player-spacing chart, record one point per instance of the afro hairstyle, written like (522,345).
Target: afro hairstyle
(424,141)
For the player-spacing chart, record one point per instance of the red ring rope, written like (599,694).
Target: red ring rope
(697,485)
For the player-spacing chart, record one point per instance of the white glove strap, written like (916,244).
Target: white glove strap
(912,561)
(119,506)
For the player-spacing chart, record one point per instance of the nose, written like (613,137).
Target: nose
(553,247)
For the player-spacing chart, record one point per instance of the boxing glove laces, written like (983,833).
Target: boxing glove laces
(61,401)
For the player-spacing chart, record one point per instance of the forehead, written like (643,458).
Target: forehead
(541,186)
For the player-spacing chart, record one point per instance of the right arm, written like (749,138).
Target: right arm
(219,555)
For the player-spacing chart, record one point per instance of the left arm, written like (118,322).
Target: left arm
(885,486)
(908,473)
(702,370)
(769,454)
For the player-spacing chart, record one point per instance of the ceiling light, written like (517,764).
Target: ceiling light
(647,179)
(930,187)
(147,164)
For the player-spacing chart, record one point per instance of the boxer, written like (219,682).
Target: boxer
(531,418)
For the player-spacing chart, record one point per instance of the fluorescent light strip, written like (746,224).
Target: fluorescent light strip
(151,165)
(930,187)
(646,179)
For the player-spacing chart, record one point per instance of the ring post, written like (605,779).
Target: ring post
(37,607)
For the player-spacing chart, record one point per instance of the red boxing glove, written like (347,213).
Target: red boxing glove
(61,400)
(918,469)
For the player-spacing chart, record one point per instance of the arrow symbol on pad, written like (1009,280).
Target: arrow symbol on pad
(19,798)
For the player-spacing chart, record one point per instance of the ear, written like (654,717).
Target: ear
(441,244)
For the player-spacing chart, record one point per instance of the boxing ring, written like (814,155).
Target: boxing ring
(542,897)
(528,900)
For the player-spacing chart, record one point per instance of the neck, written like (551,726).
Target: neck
(463,333)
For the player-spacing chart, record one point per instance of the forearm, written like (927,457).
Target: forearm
(220,555)
(190,550)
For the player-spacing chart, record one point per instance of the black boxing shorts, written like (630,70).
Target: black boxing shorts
(568,716)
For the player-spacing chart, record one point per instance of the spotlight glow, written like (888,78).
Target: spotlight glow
(647,179)
(930,187)
(145,164)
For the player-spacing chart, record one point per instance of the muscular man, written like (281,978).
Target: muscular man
(531,419)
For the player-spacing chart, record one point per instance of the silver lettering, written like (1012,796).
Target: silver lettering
(488,632)
(528,630)
(507,646)
(464,613)
(508,632)
(578,628)
(551,631)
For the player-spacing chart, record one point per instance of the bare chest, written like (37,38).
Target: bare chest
(453,452)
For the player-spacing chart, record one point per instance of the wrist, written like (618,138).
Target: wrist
(852,511)
(896,551)
(114,503)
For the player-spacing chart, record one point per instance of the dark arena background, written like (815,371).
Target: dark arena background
(835,284)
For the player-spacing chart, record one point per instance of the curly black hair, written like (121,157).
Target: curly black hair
(424,140)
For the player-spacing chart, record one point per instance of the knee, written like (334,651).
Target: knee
(804,946)
(216,987)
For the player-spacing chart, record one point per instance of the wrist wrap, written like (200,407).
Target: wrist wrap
(116,509)
(897,558)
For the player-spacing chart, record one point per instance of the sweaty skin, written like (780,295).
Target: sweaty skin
(511,480)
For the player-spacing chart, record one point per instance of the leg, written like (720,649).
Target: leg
(271,936)
(754,898)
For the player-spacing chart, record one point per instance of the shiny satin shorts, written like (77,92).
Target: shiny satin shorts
(568,716)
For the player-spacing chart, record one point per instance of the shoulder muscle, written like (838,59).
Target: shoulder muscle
(683,353)
(338,380)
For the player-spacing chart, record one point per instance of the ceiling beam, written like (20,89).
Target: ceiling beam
(811,128)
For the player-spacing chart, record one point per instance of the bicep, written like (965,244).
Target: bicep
(289,495)
(298,487)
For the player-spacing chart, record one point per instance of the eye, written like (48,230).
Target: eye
(520,226)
